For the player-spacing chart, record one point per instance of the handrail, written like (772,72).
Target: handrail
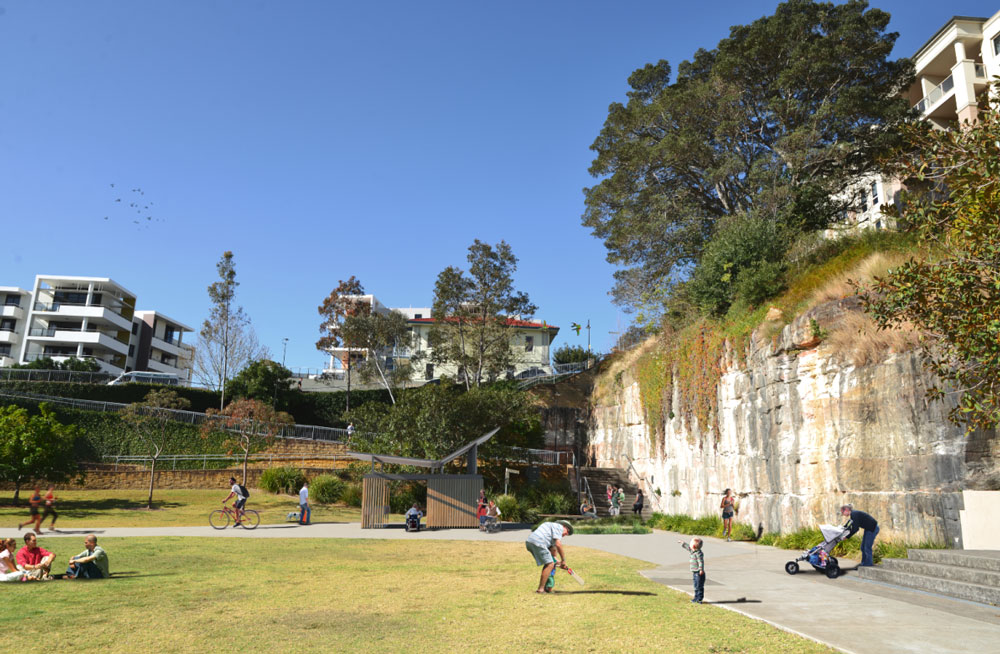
(935,94)
(590,496)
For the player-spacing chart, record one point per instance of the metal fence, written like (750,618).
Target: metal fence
(205,461)
(24,374)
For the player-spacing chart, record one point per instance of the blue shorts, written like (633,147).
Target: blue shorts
(542,554)
(240,503)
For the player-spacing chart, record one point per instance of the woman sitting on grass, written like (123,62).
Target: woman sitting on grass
(8,561)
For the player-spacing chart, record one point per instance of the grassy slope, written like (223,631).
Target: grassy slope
(188,594)
(173,508)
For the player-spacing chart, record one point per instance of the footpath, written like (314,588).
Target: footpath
(847,613)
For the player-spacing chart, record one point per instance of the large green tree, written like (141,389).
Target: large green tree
(474,314)
(248,425)
(378,334)
(952,292)
(264,380)
(343,301)
(774,122)
(34,447)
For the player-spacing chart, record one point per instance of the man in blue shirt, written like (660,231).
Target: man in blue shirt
(860,520)
(543,543)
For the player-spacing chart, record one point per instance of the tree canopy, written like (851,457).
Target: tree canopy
(151,420)
(34,447)
(773,123)
(264,380)
(951,293)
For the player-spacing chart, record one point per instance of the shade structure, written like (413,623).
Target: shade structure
(374,501)
(452,499)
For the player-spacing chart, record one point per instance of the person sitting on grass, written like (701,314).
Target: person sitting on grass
(8,561)
(587,510)
(236,491)
(34,560)
(697,568)
(544,543)
(91,563)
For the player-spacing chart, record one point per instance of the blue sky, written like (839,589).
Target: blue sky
(319,140)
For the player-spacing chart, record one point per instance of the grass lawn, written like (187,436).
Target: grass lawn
(173,508)
(317,595)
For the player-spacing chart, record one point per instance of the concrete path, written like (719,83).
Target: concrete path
(847,613)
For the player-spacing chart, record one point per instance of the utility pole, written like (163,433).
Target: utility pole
(588,334)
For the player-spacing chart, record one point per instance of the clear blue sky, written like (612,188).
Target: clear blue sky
(319,140)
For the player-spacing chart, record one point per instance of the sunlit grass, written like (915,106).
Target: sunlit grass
(318,595)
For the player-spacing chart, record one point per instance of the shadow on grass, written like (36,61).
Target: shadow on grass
(88,508)
(81,532)
(131,574)
(602,592)
(735,601)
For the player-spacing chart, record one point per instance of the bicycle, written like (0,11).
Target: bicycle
(220,518)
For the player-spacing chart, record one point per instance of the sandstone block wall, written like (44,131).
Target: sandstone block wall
(802,432)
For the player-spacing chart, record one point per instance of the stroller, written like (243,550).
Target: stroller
(819,556)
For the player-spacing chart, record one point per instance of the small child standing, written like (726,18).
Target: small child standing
(697,568)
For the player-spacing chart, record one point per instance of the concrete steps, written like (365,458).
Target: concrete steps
(963,574)
(599,478)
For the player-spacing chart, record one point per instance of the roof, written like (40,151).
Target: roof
(511,322)
(423,463)
(951,21)
(175,323)
(72,278)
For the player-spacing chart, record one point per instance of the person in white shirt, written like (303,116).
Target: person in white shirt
(543,543)
(8,561)
(304,512)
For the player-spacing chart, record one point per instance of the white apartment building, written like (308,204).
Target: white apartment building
(14,303)
(530,341)
(90,318)
(953,72)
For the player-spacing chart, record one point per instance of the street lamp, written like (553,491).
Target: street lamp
(284,348)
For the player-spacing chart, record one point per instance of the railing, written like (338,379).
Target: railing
(171,460)
(559,371)
(23,374)
(51,331)
(590,496)
(935,94)
(35,356)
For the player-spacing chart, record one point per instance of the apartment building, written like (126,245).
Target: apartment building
(13,312)
(530,341)
(953,72)
(90,318)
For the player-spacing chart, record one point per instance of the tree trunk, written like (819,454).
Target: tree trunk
(348,378)
(17,491)
(152,475)
(384,381)
(246,455)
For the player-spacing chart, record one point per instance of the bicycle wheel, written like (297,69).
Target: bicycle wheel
(250,519)
(219,519)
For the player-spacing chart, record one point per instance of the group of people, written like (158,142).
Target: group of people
(34,563)
(616,498)
(41,508)
(487,511)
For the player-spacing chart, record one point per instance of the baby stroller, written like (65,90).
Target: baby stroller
(819,557)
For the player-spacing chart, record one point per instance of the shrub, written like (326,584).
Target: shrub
(326,489)
(509,508)
(284,479)
(351,495)
(557,503)
(403,495)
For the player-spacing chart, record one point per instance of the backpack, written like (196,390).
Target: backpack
(244,492)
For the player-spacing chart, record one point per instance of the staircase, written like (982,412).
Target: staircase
(972,575)
(599,478)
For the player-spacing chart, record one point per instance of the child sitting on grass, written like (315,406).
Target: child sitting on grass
(697,568)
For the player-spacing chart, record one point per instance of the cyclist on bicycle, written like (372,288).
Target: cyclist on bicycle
(240,501)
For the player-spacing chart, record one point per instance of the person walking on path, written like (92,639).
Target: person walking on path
(697,568)
(637,506)
(34,503)
(860,520)
(544,543)
(304,512)
(91,563)
(50,508)
(728,509)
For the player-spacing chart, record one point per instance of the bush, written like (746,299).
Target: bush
(284,479)
(557,503)
(326,489)
(683,524)
(403,495)
(351,495)
(509,508)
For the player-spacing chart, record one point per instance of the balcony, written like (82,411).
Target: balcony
(91,312)
(74,336)
(9,336)
(11,311)
(108,364)
(936,94)
(159,366)
(170,347)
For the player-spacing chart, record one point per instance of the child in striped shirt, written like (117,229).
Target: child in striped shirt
(697,567)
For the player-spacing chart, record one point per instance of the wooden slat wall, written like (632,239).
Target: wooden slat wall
(374,502)
(451,501)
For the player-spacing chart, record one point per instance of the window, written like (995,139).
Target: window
(418,316)
(996,45)
(12,300)
(131,350)
(429,371)
(529,343)
(4,349)
(864,203)
(875,193)
(135,328)
(878,224)
(169,334)
(7,325)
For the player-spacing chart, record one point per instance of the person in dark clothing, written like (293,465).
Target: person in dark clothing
(860,520)
(639,503)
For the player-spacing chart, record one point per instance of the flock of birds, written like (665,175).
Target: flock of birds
(138,209)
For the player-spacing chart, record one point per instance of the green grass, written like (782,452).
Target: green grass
(172,508)
(318,595)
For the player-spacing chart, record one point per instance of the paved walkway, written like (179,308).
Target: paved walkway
(847,613)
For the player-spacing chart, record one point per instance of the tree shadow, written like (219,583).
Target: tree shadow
(88,508)
(741,600)
(602,592)
(69,532)
(130,574)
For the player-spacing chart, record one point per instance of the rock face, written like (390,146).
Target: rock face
(802,431)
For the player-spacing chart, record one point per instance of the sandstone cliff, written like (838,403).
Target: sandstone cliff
(799,430)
